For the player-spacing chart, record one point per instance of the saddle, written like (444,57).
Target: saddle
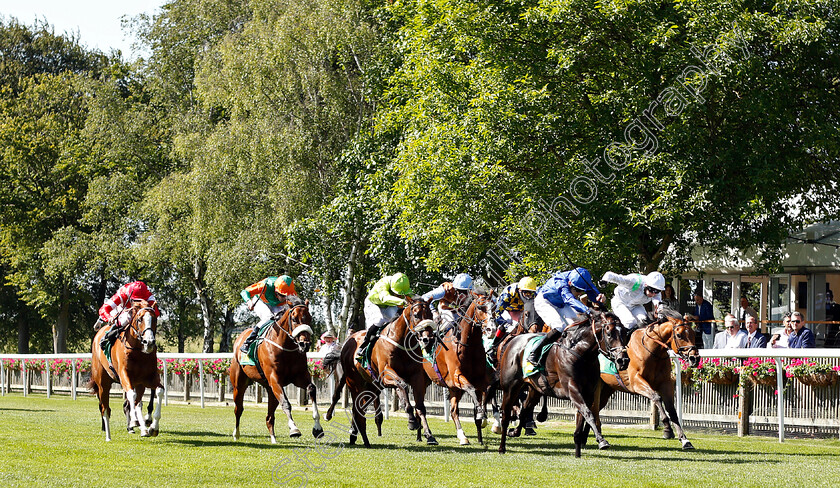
(250,359)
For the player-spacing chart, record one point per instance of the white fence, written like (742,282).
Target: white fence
(706,405)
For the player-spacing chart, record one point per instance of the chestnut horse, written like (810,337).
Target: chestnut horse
(649,373)
(281,361)
(396,362)
(571,371)
(134,359)
(460,363)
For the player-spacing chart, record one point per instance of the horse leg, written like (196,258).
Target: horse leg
(454,398)
(543,415)
(154,428)
(317,430)
(480,423)
(287,407)
(339,388)
(150,408)
(239,381)
(129,426)
(582,407)
(669,416)
(135,408)
(418,386)
(509,399)
(401,389)
(104,393)
(269,416)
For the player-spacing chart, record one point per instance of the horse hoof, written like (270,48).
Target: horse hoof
(496,429)
(413,424)
(463,441)
(273,440)
(154,432)
(328,416)
(431,441)
(131,430)
(317,433)
(353,440)
(542,416)
(603,445)
(530,431)
(688,446)
(294,433)
(502,450)
(513,433)
(144,434)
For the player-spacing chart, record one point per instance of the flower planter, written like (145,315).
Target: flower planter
(722,378)
(765,380)
(819,379)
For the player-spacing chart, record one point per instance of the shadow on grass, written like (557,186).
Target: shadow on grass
(26,409)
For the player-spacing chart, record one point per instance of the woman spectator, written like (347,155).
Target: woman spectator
(669,298)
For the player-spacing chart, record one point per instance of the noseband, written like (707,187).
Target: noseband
(611,353)
(292,325)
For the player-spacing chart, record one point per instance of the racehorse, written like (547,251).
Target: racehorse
(649,372)
(396,361)
(571,371)
(281,361)
(134,360)
(460,363)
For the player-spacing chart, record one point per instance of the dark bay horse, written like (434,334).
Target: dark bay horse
(282,361)
(134,357)
(396,362)
(571,371)
(649,372)
(460,363)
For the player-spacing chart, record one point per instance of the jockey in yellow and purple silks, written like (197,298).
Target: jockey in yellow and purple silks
(382,304)
(509,310)
(452,297)
(266,298)
(558,304)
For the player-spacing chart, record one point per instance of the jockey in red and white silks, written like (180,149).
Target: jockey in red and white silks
(117,307)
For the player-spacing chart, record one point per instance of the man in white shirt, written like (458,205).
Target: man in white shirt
(746,311)
(732,337)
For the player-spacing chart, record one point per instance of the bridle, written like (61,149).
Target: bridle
(132,325)
(681,351)
(292,325)
(611,353)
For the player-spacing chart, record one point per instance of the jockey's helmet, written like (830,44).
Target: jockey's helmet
(400,284)
(580,278)
(528,284)
(463,282)
(284,285)
(655,280)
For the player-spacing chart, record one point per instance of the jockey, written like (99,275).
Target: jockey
(451,297)
(632,293)
(558,304)
(266,298)
(118,306)
(509,310)
(382,304)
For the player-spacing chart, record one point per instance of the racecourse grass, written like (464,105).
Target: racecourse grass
(58,442)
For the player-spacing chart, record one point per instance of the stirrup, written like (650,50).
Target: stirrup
(529,368)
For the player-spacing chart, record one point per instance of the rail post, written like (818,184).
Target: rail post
(780,397)
(201,380)
(165,385)
(73,378)
(48,381)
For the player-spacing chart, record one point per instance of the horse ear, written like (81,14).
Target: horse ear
(306,302)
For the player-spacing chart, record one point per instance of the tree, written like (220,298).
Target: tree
(619,132)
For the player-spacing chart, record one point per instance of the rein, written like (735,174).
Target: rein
(279,327)
(673,344)
(131,326)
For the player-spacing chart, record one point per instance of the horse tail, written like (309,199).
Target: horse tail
(331,360)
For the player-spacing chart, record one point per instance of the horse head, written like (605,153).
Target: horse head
(299,323)
(612,343)
(417,315)
(683,337)
(144,325)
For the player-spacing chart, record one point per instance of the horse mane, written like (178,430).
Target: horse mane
(294,301)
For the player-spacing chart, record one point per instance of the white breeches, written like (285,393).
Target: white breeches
(630,316)
(265,311)
(374,315)
(555,317)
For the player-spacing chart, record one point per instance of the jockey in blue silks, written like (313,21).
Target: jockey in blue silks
(558,304)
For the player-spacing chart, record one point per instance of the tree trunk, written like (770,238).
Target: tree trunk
(23,332)
(344,318)
(328,310)
(227,326)
(62,322)
(199,268)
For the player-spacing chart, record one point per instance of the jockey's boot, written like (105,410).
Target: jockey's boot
(250,339)
(109,338)
(372,332)
(534,358)
(494,347)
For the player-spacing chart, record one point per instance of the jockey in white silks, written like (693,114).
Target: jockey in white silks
(633,292)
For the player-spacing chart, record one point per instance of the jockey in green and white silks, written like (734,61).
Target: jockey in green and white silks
(383,303)
(632,293)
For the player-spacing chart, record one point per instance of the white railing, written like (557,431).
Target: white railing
(777,354)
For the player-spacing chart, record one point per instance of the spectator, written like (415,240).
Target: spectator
(745,311)
(754,336)
(732,337)
(781,340)
(669,298)
(327,343)
(801,337)
(704,316)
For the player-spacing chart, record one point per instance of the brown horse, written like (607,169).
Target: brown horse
(134,359)
(571,372)
(460,363)
(396,362)
(281,361)
(649,373)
